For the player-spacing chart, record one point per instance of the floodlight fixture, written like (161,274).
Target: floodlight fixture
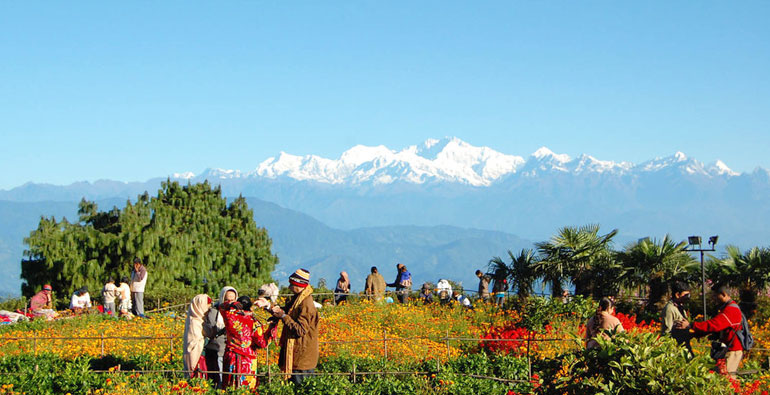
(693,240)
(713,241)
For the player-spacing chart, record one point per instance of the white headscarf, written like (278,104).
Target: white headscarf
(220,320)
(193,331)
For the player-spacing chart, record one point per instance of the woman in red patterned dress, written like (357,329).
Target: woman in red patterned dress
(244,335)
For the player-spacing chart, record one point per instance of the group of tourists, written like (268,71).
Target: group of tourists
(125,299)
(728,328)
(375,288)
(221,338)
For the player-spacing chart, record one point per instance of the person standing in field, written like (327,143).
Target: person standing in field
(375,285)
(195,336)
(483,285)
(244,335)
(726,323)
(299,338)
(124,294)
(138,282)
(499,287)
(108,296)
(214,328)
(342,289)
(603,321)
(403,283)
(674,311)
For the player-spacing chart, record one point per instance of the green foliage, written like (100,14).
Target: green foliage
(187,236)
(48,374)
(12,304)
(520,272)
(654,263)
(571,254)
(538,312)
(634,364)
(749,272)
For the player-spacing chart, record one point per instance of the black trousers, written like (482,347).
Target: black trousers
(298,376)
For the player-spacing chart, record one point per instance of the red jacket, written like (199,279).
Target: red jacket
(728,317)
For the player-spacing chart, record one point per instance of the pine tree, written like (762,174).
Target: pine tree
(187,236)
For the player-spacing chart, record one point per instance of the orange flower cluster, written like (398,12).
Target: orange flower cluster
(94,336)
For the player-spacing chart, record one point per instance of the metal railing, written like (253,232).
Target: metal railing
(385,339)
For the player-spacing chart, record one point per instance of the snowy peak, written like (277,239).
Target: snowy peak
(452,160)
(720,168)
(543,153)
(183,176)
(449,159)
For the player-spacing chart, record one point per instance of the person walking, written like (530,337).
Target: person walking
(109,292)
(375,285)
(483,285)
(195,336)
(675,311)
(214,327)
(342,289)
(299,338)
(138,282)
(726,323)
(603,321)
(403,283)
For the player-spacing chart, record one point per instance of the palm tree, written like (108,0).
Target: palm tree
(571,254)
(520,272)
(656,264)
(749,272)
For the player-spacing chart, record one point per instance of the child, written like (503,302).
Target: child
(109,293)
(124,293)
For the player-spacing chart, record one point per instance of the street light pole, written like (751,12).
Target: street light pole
(693,241)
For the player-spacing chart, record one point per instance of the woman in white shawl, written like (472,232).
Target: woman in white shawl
(193,333)
(214,328)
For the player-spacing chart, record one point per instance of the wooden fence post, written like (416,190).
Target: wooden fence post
(385,343)
(171,346)
(354,372)
(267,363)
(447,344)
(34,347)
(102,343)
(529,360)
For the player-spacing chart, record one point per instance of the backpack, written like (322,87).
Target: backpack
(744,334)
(406,283)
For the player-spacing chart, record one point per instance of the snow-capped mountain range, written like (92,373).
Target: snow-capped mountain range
(398,202)
(448,160)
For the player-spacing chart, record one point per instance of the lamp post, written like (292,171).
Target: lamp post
(692,243)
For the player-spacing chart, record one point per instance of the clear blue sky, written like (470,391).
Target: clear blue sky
(130,91)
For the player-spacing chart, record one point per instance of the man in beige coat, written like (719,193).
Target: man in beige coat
(299,338)
(375,285)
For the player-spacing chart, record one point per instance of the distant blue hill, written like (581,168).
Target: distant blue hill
(299,240)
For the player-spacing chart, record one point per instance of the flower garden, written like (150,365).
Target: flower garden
(417,349)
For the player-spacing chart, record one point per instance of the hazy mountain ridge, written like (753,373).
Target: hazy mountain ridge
(302,241)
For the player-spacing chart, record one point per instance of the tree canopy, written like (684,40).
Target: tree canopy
(187,236)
